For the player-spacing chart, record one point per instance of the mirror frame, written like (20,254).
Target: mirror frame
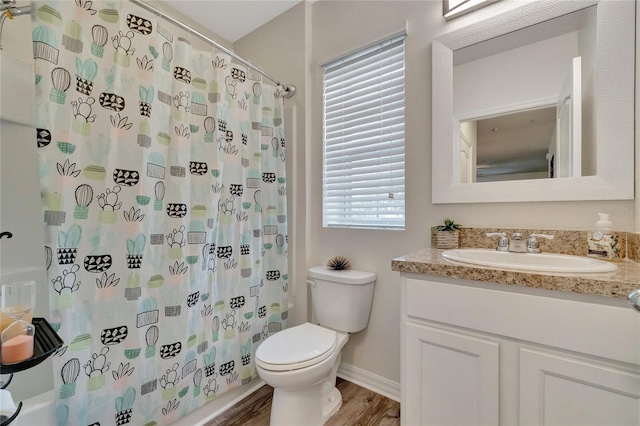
(615,113)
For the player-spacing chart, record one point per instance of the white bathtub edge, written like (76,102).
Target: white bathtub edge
(213,409)
(39,410)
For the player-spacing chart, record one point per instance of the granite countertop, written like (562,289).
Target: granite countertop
(429,261)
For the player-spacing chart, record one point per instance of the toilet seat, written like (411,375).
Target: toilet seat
(297,347)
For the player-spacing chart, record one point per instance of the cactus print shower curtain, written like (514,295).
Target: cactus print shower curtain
(163,187)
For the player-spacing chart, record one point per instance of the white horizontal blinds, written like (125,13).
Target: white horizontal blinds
(363,161)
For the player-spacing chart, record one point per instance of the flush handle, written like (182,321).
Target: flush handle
(634,299)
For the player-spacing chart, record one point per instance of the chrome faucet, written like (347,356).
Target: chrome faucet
(517,243)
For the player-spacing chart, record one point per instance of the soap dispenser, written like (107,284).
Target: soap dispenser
(602,242)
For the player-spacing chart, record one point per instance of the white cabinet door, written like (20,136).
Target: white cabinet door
(450,378)
(561,390)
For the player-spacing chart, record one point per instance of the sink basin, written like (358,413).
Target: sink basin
(541,262)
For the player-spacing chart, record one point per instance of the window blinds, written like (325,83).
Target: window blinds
(363,158)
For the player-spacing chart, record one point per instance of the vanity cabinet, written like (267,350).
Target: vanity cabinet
(560,389)
(451,378)
(486,354)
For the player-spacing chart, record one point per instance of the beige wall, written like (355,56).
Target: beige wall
(291,47)
(281,48)
(501,87)
(335,28)
(16,36)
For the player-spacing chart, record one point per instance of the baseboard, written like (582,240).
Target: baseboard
(373,382)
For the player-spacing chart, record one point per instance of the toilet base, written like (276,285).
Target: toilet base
(308,396)
(308,407)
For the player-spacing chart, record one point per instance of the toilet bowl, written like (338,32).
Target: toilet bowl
(304,378)
(301,362)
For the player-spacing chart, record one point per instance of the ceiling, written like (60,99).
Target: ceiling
(510,136)
(231,19)
(516,142)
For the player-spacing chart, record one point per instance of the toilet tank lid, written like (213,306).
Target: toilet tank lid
(343,277)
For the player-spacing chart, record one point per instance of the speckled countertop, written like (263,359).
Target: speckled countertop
(429,261)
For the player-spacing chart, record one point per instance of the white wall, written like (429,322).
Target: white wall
(518,75)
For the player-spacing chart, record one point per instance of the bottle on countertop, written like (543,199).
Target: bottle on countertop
(602,242)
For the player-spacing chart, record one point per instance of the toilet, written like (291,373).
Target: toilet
(301,362)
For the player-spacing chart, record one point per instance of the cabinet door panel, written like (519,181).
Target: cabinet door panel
(451,378)
(561,390)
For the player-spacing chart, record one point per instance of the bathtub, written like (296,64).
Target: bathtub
(40,410)
(20,261)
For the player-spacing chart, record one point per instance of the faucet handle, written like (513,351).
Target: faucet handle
(503,242)
(532,243)
(544,236)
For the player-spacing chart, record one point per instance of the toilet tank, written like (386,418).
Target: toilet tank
(341,299)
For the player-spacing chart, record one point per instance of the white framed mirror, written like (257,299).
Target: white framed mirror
(597,163)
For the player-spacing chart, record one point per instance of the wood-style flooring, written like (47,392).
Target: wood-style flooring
(360,407)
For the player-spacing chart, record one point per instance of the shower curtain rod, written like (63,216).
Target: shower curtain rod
(289,89)
(9,10)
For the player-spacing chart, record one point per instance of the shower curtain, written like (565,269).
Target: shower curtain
(163,186)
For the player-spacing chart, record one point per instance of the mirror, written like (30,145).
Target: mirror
(537,130)
(536,104)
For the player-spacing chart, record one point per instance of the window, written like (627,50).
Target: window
(363,157)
